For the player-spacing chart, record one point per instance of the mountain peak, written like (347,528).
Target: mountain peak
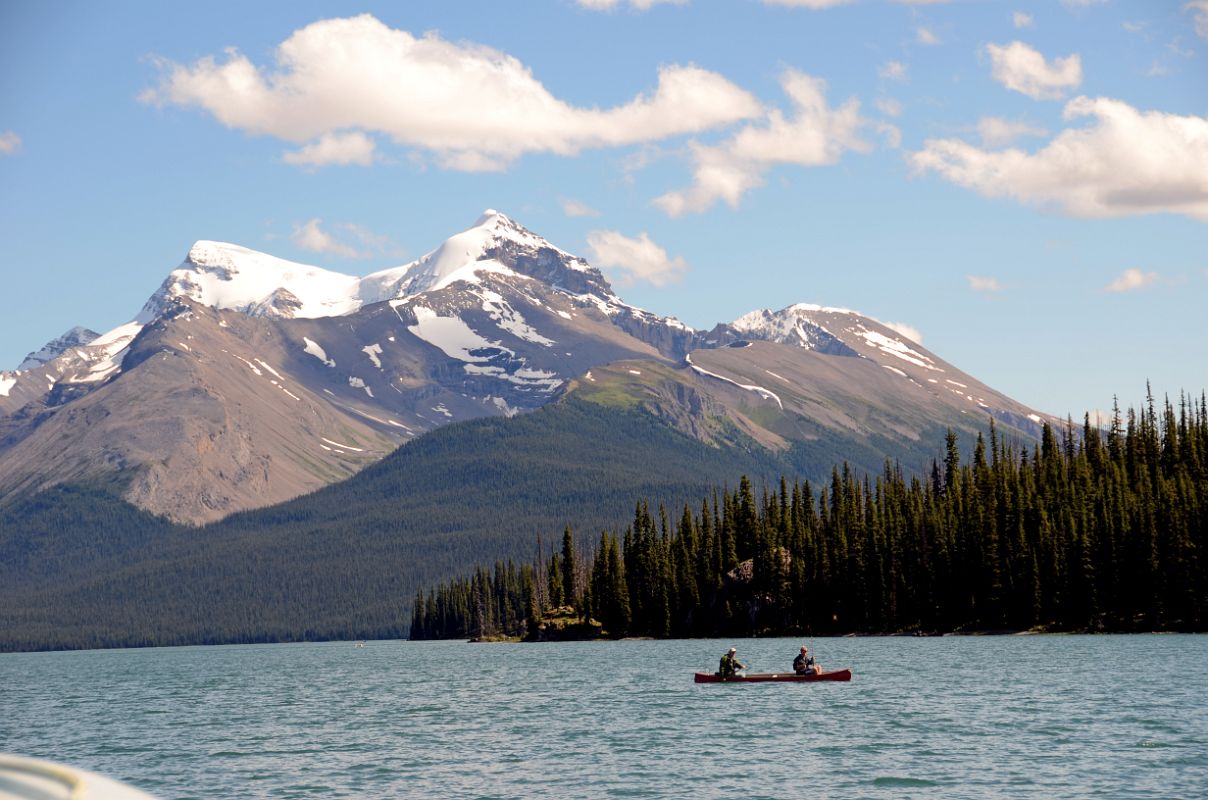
(224,275)
(488,216)
(494,240)
(76,337)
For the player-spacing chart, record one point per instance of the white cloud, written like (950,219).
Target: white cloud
(926,36)
(372,244)
(1131,280)
(308,236)
(816,134)
(1081,3)
(634,259)
(888,106)
(909,331)
(997,132)
(573,208)
(921,2)
(1124,162)
(1022,69)
(10,143)
(1133,27)
(891,133)
(1156,70)
(1023,20)
(981,283)
(1199,8)
(812,4)
(334,148)
(471,106)
(894,70)
(637,5)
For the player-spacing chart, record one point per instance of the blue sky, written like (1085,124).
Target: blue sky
(1023,184)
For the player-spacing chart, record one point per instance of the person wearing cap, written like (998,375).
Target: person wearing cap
(804,664)
(730,665)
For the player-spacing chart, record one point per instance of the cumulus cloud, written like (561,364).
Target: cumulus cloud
(637,5)
(633,260)
(909,331)
(1131,280)
(472,107)
(894,71)
(1022,69)
(1199,10)
(814,135)
(1124,162)
(334,148)
(10,143)
(1022,20)
(309,236)
(888,106)
(997,132)
(812,4)
(926,36)
(1156,70)
(573,208)
(983,283)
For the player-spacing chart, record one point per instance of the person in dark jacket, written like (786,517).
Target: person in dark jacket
(730,665)
(804,664)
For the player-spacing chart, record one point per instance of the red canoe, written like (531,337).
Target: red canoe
(766,677)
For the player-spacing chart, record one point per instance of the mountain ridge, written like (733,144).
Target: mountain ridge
(246,379)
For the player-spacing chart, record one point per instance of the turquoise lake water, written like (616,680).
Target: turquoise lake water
(1010,717)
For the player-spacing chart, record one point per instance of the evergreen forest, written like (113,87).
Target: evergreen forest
(1089,530)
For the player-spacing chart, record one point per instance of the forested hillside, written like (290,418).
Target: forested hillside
(80,568)
(1090,530)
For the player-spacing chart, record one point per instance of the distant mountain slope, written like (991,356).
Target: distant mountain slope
(347,560)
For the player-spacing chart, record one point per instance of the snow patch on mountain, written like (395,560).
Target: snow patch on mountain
(103,356)
(250,365)
(766,394)
(509,319)
(318,352)
(342,446)
(451,335)
(6,384)
(373,351)
(261,362)
(896,348)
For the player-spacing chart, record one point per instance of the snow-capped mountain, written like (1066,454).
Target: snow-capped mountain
(76,337)
(247,379)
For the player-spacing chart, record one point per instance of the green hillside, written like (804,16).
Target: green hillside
(80,568)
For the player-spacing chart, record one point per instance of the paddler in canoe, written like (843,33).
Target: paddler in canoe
(730,665)
(804,663)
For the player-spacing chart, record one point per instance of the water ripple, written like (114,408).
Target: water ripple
(1020,717)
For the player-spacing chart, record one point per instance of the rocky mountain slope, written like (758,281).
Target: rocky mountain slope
(247,380)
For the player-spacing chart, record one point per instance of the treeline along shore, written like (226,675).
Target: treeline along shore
(1091,530)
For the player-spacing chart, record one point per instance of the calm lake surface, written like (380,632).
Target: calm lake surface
(1012,716)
